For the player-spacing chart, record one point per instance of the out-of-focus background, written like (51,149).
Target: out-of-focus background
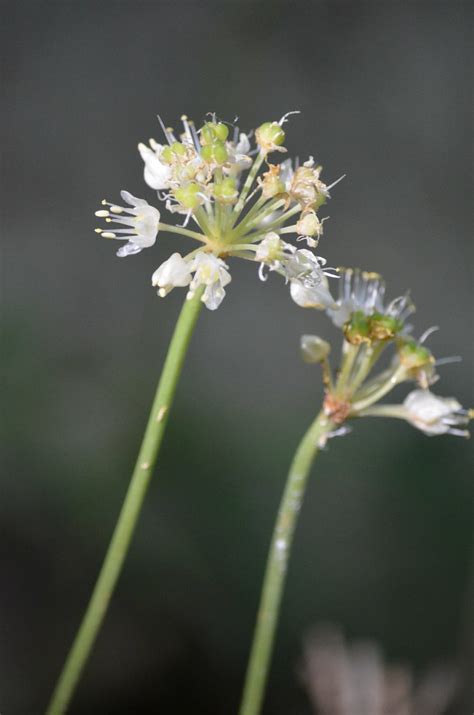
(384,544)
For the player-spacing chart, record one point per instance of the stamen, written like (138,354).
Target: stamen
(448,360)
(336,182)
(102,213)
(284,117)
(116,209)
(98,230)
(108,234)
(428,332)
(165,131)
(261,272)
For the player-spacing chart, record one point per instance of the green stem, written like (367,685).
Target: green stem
(396,376)
(248,184)
(349,355)
(273,226)
(124,529)
(168,228)
(277,562)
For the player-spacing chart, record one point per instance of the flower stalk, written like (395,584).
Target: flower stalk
(130,512)
(277,562)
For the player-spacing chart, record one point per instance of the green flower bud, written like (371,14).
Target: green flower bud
(269,136)
(188,196)
(314,349)
(414,356)
(226,191)
(357,330)
(384,327)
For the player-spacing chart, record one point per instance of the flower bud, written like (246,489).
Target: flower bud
(269,136)
(356,330)
(314,349)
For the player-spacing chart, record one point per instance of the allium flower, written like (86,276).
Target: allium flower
(210,176)
(369,327)
(363,291)
(435,415)
(209,271)
(142,221)
(173,273)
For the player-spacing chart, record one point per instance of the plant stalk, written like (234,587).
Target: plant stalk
(277,561)
(124,529)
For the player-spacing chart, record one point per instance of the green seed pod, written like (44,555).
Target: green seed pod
(220,153)
(207,153)
(167,155)
(178,149)
(384,327)
(188,196)
(221,131)
(226,191)
(207,133)
(269,135)
(414,356)
(356,330)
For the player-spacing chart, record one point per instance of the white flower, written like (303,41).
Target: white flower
(435,415)
(238,156)
(309,286)
(363,291)
(209,271)
(157,174)
(142,222)
(173,273)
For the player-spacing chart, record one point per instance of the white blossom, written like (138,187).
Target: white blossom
(142,222)
(209,271)
(364,291)
(435,415)
(156,173)
(173,273)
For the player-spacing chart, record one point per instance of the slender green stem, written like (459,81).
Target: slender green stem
(124,529)
(169,228)
(394,379)
(277,562)
(273,226)
(248,184)
(349,355)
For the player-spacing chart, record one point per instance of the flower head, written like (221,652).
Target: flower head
(210,176)
(369,326)
(364,292)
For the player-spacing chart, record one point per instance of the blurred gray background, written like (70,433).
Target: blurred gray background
(384,543)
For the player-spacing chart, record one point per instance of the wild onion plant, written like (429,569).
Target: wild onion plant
(369,327)
(234,203)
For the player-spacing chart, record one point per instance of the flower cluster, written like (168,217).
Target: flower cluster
(211,176)
(369,326)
